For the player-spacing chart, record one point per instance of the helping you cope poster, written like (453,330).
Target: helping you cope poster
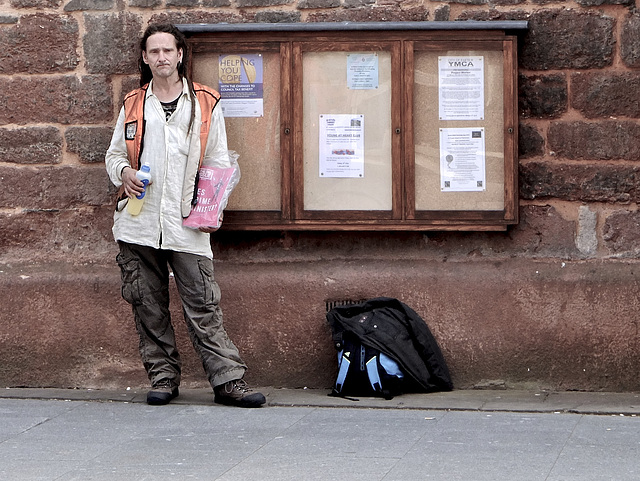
(241,85)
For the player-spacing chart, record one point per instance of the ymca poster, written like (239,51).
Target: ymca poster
(461,88)
(241,85)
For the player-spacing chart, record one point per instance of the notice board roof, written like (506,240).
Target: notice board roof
(507,25)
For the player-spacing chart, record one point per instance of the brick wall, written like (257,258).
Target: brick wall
(65,65)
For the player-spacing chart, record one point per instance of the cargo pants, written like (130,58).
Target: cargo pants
(145,285)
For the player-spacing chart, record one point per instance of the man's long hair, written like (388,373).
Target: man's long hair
(181,44)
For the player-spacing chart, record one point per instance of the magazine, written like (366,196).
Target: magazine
(214,187)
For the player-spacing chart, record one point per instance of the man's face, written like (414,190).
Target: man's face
(162,55)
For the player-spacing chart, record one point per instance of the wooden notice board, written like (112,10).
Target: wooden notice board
(376,126)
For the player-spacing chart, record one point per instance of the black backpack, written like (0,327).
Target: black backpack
(365,371)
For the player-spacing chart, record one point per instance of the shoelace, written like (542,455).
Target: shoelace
(240,385)
(165,384)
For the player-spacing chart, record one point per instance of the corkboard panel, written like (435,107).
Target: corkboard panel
(256,140)
(426,126)
(325,92)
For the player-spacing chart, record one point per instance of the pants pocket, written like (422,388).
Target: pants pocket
(211,289)
(130,274)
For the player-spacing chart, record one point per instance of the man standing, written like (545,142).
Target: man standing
(172,124)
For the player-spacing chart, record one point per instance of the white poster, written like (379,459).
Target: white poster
(461,88)
(241,85)
(341,145)
(362,71)
(462,160)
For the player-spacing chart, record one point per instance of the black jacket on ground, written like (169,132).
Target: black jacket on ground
(398,331)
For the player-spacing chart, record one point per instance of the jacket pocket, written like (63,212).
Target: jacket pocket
(130,275)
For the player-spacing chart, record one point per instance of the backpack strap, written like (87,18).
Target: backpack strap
(373,374)
(342,373)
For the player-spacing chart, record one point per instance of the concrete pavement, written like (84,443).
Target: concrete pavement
(307,435)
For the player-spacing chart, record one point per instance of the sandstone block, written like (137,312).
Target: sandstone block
(630,40)
(35,3)
(277,17)
(22,45)
(183,3)
(75,5)
(60,187)
(357,3)
(216,3)
(604,94)
(621,232)
(597,3)
(197,16)
(584,182)
(56,100)
(32,145)
(549,44)
(90,143)
(55,235)
(261,3)
(417,13)
(442,13)
(111,43)
(303,4)
(542,96)
(606,140)
(530,142)
(145,3)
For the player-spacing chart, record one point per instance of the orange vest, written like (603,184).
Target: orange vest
(134,122)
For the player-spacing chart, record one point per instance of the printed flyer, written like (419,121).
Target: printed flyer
(462,160)
(341,145)
(362,71)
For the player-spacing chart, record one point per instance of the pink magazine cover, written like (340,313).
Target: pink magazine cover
(214,186)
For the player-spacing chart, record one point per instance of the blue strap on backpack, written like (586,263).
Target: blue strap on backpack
(365,371)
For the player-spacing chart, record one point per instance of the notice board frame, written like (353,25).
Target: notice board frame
(286,127)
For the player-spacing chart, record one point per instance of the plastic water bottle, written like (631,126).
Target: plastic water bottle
(135,203)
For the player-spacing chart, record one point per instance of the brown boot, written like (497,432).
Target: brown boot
(237,393)
(162,393)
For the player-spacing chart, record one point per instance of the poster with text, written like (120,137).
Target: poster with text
(241,85)
(462,160)
(461,88)
(341,145)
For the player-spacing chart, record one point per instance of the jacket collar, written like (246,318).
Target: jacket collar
(185,89)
